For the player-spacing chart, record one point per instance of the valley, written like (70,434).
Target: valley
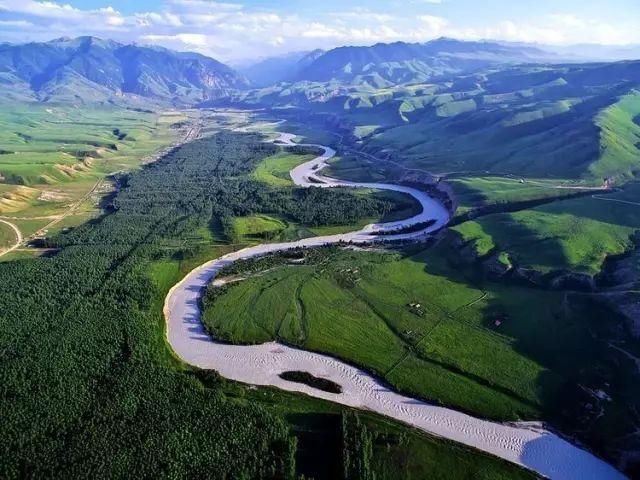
(405,348)
(63,181)
(403,260)
(150,232)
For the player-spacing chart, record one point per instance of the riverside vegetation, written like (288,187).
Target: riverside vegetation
(82,341)
(526,308)
(433,327)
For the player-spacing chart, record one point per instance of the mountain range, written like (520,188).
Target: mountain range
(89,69)
(283,68)
(386,64)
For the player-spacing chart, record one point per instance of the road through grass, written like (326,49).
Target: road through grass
(10,237)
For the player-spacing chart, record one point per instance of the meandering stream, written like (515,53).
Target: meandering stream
(525,444)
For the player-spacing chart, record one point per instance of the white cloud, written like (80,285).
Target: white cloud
(364,15)
(185,39)
(435,24)
(567,20)
(154,19)
(556,29)
(15,23)
(230,31)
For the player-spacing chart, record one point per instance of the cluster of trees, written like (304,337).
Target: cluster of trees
(357,448)
(416,227)
(89,387)
(308,256)
(306,378)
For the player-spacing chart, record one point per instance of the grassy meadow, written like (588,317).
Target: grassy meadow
(54,159)
(362,307)
(574,234)
(275,170)
(7,236)
(504,352)
(48,145)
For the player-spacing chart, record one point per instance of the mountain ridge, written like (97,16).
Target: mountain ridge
(91,69)
(386,64)
(272,70)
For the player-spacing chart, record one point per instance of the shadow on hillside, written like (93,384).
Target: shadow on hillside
(319,452)
(522,243)
(586,389)
(603,208)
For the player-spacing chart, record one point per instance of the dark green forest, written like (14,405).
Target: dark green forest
(86,388)
(89,386)
(85,383)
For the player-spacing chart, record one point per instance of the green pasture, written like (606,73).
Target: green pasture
(473,192)
(576,234)
(499,351)
(7,236)
(42,144)
(275,170)
(361,307)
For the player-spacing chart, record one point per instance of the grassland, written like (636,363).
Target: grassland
(575,234)
(54,159)
(275,170)
(619,137)
(257,224)
(500,351)
(434,349)
(7,236)
(474,192)
(48,145)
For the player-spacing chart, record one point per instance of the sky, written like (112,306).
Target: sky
(237,31)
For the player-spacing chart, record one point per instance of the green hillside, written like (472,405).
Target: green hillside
(559,121)
(57,144)
(435,330)
(619,138)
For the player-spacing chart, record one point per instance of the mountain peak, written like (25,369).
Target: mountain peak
(387,64)
(94,69)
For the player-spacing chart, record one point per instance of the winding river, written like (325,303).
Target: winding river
(525,444)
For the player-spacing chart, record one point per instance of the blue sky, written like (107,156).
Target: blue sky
(238,30)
